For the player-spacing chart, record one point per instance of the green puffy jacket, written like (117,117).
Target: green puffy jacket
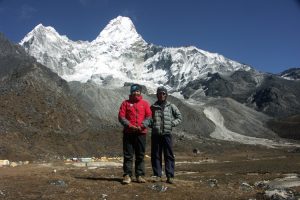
(163,120)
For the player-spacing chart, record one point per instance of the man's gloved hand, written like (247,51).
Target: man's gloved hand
(132,128)
(139,129)
(135,128)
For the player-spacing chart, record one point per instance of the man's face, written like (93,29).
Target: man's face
(136,93)
(161,96)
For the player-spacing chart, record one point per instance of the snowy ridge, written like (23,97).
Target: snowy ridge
(291,74)
(119,54)
(187,64)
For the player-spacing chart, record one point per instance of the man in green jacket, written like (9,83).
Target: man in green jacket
(165,115)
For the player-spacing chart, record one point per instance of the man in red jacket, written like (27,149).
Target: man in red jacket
(134,115)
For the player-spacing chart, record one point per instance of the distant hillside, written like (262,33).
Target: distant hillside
(291,74)
(288,127)
(39,117)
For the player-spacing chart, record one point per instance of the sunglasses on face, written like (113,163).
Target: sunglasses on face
(162,93)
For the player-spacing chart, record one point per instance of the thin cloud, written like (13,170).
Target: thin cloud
(27,12)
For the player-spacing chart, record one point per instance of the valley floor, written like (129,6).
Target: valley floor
(234,174)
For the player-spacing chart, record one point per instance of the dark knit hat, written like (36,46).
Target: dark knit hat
(135,87)
(161,89)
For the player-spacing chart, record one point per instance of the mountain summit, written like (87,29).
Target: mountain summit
(120,31)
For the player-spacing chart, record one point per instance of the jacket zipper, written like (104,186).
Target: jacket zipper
(136,115)
(162,121)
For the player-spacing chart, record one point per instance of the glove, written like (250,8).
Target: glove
(135,128)
(132,128)
(139,129)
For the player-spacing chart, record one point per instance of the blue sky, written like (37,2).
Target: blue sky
(262,33)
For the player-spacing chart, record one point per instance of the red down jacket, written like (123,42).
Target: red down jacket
(135,112)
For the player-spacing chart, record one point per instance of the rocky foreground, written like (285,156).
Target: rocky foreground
(240,172)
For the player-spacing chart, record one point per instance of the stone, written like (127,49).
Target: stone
(13,164)
(213,182)
(4,163)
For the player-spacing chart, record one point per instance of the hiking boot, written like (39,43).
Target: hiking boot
(156,179)
(140,179)
(126,179)
(170,180)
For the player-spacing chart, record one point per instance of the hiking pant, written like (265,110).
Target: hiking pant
(134,144)
(159,144)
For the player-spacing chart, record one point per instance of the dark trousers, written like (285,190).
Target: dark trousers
(159,144)
(134,144)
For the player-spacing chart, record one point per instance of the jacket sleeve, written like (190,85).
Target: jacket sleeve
(122,114)
(177,115)
(151,118)
(148,115)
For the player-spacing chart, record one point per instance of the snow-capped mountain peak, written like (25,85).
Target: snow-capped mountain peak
(41,32)
(119,30)
(53,50)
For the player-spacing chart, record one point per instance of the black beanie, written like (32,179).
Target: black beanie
(135,87)
(161,89)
